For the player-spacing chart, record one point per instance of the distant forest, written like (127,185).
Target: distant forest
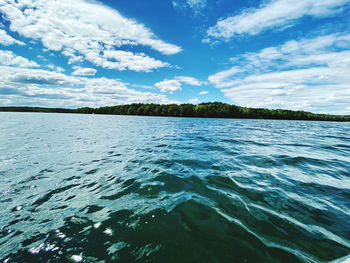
(203,110)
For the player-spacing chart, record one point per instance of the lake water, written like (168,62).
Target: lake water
(93,188)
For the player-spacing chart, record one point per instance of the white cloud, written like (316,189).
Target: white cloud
(309,74)
(169,86)
(8,58)
(7,40)
(56,68)
(86,30)
(175,84)
(274,14)
(143,86)
(79,71)
(194,101)
(118,93)
(11,76)
(190,81)
(21,86)
(59,69)
(195,5)
(204,92)
(221,79)
(131,61)
(73,58)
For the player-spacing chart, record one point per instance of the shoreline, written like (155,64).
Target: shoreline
(204,110)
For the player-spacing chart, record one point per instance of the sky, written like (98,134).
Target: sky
(277,54)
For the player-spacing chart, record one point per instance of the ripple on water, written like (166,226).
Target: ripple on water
(82,188)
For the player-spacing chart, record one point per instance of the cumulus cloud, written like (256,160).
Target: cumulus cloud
(23,86)
(7,40)
(176,84)
(73,58)
(131,61)
(118,93)
(86,30)
(56,68)
(194,101)
(8,58)
(79,71)
(222,79)
(169,86)
(190,81)
(308,74)
(274,14)
(15,77)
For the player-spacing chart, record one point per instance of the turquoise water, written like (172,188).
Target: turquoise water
(93,188)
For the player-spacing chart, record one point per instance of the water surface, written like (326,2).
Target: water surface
(93,188)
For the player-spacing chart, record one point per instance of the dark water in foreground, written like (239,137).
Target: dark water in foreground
(88,188)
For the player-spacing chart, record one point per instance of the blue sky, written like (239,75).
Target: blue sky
(273,53)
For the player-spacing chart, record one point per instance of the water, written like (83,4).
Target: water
(92,188)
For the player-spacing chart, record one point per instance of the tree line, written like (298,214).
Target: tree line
(202,110)
(210,110)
